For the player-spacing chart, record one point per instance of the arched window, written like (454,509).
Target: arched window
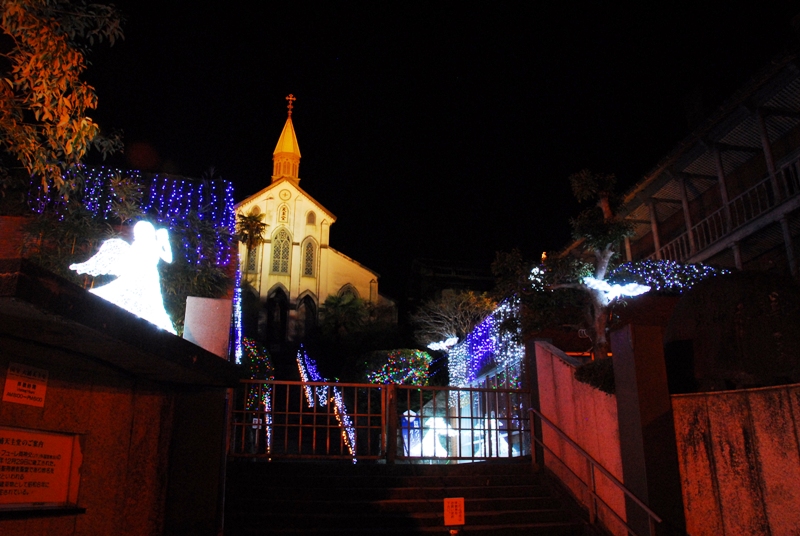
(311,218)
(252,259)
(309,258)
(306,319)
(281,247)
(277,312)
(283,214)
(348,289)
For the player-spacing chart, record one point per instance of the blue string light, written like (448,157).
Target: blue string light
(308,372)
(664,276)
(168,200)
(488,346)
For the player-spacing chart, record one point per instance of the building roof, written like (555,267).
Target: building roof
(287,143)
(286,182)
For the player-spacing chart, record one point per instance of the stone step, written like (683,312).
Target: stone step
(502,466)
(326,481)
(537,529)
(418,505)
(336,498)
(408,491)
(364,517)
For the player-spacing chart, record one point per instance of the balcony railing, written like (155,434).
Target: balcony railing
(348,421)
(743,209)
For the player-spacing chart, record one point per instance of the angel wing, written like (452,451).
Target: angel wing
(109,259)
(612,292)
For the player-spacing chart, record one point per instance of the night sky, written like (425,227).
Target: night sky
(433,130)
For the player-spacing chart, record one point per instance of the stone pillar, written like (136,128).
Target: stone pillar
(532,378)
(646,429)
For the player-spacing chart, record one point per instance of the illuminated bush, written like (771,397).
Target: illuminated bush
(405,366)
(665,276)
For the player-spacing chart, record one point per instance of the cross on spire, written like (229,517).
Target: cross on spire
(291,99)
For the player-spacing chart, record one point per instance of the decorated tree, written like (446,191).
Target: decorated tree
(450,318)
(250,229)
(43,101)
(257,362)
(559,287)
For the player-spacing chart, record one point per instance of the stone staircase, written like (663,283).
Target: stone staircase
(338,498)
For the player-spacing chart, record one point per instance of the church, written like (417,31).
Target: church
(294,270)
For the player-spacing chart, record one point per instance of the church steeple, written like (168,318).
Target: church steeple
(286,157)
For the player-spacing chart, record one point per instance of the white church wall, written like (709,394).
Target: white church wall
(286,205)
(343,270)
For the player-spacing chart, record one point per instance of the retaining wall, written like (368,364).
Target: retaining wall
(739,458)
(589,417)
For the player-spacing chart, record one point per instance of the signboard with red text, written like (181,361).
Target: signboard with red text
(38,468)
(454,512)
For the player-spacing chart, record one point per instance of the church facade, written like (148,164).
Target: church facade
(294,270)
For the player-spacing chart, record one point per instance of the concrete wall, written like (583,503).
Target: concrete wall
(11,236)
(589,417)
(739,460)
(127,427)
(151,453)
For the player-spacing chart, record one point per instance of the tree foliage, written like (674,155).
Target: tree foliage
(455,314)
(43,101)
(193,272)
(350,328)
(554,292)
(343,315)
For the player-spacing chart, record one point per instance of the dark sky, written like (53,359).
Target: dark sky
(438,129)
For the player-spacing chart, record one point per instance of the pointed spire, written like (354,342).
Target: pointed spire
(286,157)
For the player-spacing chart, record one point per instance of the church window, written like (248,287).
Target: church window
(281,246)
(309,255)
(283,214)
(311,218)
(252,259)
(348,290)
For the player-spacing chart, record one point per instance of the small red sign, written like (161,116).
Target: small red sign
(454,512)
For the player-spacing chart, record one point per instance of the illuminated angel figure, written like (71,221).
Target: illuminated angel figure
(137,287)
(612,292)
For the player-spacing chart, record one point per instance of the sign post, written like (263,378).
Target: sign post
(454,514)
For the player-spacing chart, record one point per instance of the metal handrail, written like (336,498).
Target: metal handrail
(652,516)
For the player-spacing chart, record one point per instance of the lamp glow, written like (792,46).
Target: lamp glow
(137,288)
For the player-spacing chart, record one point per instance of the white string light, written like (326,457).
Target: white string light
(137,288)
